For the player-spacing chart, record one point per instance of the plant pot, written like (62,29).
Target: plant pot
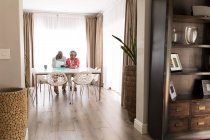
(13,113)
(130,91)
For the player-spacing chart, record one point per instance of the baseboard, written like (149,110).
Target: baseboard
(142,128)
(26,136)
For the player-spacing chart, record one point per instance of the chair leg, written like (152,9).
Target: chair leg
(40,87)
(44,95)
(95,88)
(71,92)
(88,91)
(31,93)
(71,97)
(81,90)
(50,89)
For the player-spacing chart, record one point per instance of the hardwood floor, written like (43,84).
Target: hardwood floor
(86,119)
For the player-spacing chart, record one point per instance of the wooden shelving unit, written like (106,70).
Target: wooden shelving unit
(191,72)
(191,98)
(187,117)
(190,46)
(191,19)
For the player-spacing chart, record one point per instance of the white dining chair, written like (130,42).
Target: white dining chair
(82,79)
(95,82)
(41,81)
(56,79)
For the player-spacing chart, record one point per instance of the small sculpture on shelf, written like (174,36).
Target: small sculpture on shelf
(174,35)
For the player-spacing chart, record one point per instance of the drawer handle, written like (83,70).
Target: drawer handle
(178,124)
(178,109)
(202,108)
(201,123)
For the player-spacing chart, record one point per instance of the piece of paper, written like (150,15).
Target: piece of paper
(59,64)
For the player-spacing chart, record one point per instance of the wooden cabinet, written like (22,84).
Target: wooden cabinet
(179,109)
(200,107)
(200,123)
(178,125)
(189,114)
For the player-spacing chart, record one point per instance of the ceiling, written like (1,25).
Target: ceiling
(69,6)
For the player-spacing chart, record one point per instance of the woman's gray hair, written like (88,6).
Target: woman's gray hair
(73,52)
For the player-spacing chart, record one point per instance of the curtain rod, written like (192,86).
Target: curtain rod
(57,12)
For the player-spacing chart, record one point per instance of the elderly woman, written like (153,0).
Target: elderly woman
(72,63)
(58,61)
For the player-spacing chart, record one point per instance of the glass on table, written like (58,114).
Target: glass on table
(45,67)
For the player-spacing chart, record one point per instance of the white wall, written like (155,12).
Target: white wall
(11,36)
(143,61)
(113,24)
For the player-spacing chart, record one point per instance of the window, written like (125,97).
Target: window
(58,32)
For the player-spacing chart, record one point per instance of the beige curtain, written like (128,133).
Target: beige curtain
(99,42)
(94,33)
(28,46)
(91,40)
(130,29)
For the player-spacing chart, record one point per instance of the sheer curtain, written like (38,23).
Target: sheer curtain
(58,32)
(114,23)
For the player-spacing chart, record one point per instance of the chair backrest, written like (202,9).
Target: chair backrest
(57,78)
(42,79)
(96,76)
(83,79)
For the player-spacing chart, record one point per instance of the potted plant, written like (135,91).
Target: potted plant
(129,78)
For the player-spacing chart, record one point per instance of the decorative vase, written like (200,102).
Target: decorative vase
(130,91)
(191,34)
(13,113)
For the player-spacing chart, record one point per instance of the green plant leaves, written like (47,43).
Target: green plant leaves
(131,52)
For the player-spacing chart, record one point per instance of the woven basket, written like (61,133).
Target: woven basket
(13,113)
(130,91)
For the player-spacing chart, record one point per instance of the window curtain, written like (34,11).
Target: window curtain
(58,32)
(130,29)
(94,34)
(99,42)
(28,46)
(91,40)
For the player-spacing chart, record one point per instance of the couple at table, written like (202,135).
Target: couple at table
(72,62)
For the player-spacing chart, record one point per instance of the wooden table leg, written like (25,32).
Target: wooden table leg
(36,89)
(100,86)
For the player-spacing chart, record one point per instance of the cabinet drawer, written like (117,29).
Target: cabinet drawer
(179,109)
(200,123)
(200,107)
(178,125)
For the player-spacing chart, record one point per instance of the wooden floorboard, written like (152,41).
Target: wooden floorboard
(56,119)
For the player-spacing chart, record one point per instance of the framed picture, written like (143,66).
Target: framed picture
(172,91)
(175,62)
(206,87)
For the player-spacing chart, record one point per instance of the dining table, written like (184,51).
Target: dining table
(45,71)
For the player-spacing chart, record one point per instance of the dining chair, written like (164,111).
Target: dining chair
(82,79)
(56,79)
(41,80)
(95,82)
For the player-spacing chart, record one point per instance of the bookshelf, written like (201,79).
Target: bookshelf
(188,116)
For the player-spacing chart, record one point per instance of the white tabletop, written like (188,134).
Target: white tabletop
(42,71)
